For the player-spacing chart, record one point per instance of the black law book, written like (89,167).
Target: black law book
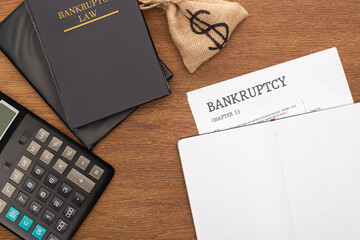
(20,43)
(100,54)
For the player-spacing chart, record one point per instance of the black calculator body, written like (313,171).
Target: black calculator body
(48,182)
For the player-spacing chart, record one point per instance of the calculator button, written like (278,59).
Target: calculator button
(52,237)
(26,223)
(96,172)
(8,190)
(78,199)
(56,204)
(24,163)
(82,162)
(38,172)
(43,194)
(39,232)
(21,199)
(55,144)
(80,180)
(69,153)
(48,217)
(2,205)
(46,157)
(16,176)
(61,226)
(51,181)
(35,208)
(29,185)
(12,214)
(69,213)
(64,190)
(33,148)
(60,166)
(42,135)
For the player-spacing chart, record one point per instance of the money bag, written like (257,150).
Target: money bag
(199,28)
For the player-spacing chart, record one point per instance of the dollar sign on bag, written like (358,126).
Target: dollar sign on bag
(196,22)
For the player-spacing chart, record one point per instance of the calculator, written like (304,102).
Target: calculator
(48,182)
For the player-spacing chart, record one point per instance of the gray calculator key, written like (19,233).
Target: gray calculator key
(96,172)
(16,176)
(8,190)
(35,208)
(48,217)
(24,163)
(61,226)
(29,185)
(69,153)
(51,181)
(60,166)
(33,148)
(42,135)
(55,144)
(2,205)
(56,203)
(46,157)
(80,180)
(43,195)
(21,199)
(69,213)
(52,237)
(82,162)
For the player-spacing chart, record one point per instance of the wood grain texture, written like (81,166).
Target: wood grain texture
(147,198)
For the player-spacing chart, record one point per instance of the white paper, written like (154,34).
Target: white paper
(237,193)
(296,178)
(321,159)
(302,85)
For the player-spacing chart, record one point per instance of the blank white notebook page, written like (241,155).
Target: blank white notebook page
(236,185)
(296,178)
(321,157)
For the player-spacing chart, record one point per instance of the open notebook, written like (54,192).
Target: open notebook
(291,179)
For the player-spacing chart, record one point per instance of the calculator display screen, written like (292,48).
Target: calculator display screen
(7,116)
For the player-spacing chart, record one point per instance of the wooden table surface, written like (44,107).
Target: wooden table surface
(147,197)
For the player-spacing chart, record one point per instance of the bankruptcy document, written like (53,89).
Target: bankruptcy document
(303,85)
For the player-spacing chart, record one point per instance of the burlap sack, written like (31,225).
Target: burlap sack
(199,28)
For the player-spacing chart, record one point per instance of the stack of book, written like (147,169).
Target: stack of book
(93,62)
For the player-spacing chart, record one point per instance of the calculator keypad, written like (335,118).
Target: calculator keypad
(56,203)
(33,148)
(82,162)
(16,176)
(46,157)
(2,205)
(43,195)
(48,217)
(35,208)
(80,180)
(48,185)
(60,166)
(78,199)
(24,163)
(8,190)
(42,135)
(55,144)
(29,185)
(51,181)
(69,153)
(21,199)
(96,172)
(38,172)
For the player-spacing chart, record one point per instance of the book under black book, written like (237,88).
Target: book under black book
(95,50)
(20,43)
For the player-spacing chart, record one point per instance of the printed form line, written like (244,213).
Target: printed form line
(94,20)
